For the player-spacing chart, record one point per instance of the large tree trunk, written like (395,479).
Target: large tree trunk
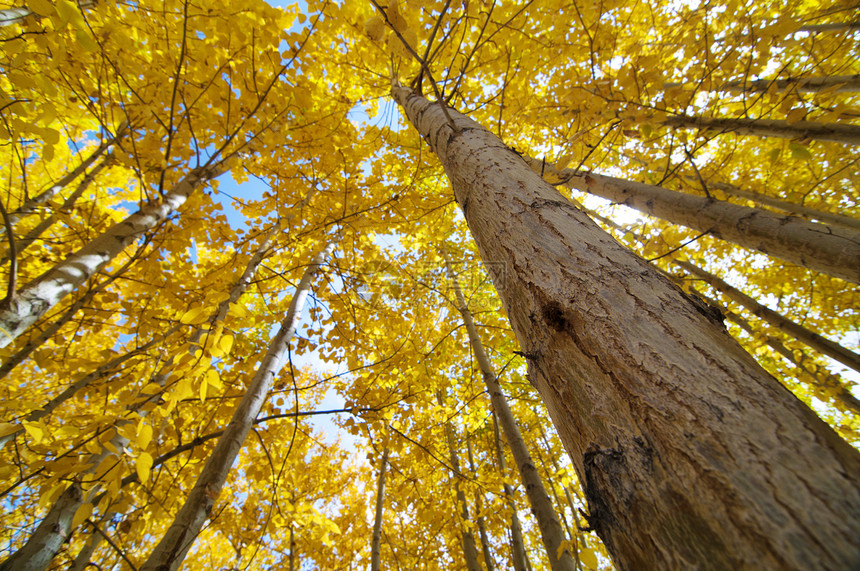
(691,455)
(833,132)
(174,545)
(36,298)
(376,538)
(550,528)
(834,251)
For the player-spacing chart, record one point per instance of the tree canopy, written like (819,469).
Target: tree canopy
(137,310)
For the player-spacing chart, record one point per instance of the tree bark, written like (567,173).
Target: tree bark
(835,27)
(550,528)
(376,541)
(833,251)
(845,83)
(479,509)
(518,550)
(691,455)
(832,132)
(174,545)
(813,340)
(470,550)
(49,535)
(790,207)
(36,298)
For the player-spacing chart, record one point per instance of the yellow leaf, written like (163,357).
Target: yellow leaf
(86,41)
(69,13)
(374,27)
(237,310)
(34,430)
(84,511)
(194,316)
(144,435)
(212,378)
(143,465)
(41,7)
(203,387)
(226,343)
(588,558)
(51,495)
(7,428)
(795,115)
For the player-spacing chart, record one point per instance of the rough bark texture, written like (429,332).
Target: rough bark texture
(550,529)
(174,545)
(809,338)
(518,550)
(690,454)
(48,537)
(36,298)
(845,83)
(834,251)
(833,132)
(376,540)
(790,207)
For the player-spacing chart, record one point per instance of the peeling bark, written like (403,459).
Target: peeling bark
(690,454)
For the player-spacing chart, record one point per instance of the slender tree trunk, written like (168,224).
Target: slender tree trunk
(518,549)
(174,545)
(30,205)
(834,251)
(479,509)
(563,518)
(48,221)
(691,455)
(829,384)
(36,298)
(845,83)
(470,550)
(833,132)
(836,27)
(790,207)
(376,542)
(48,536)
(292,549)
(814,340)
(550,528)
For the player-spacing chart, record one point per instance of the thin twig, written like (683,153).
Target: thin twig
(673,250)
(111,543)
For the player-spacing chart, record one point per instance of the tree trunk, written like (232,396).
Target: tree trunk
(49,536)
(518,549)
(829,384)
(550,528)
(36,298)
(836,27)
(845,83)
(833,132)
(814,340)
(470,550)
(691,455)
(174,545)
(479,509)
(834,251)
(790,207)
(375,546)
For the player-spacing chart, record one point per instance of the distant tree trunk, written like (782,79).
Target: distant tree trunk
(845,83)
(836,27)
(790,207)
(33,300)
(834,251)
(550,528)
(29,206)
(174,545)
(518,549)
(470,550)
(814,340)
(833,132)
(479,509)
(829,384)
(690,454)
(48,221)
(375,546)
